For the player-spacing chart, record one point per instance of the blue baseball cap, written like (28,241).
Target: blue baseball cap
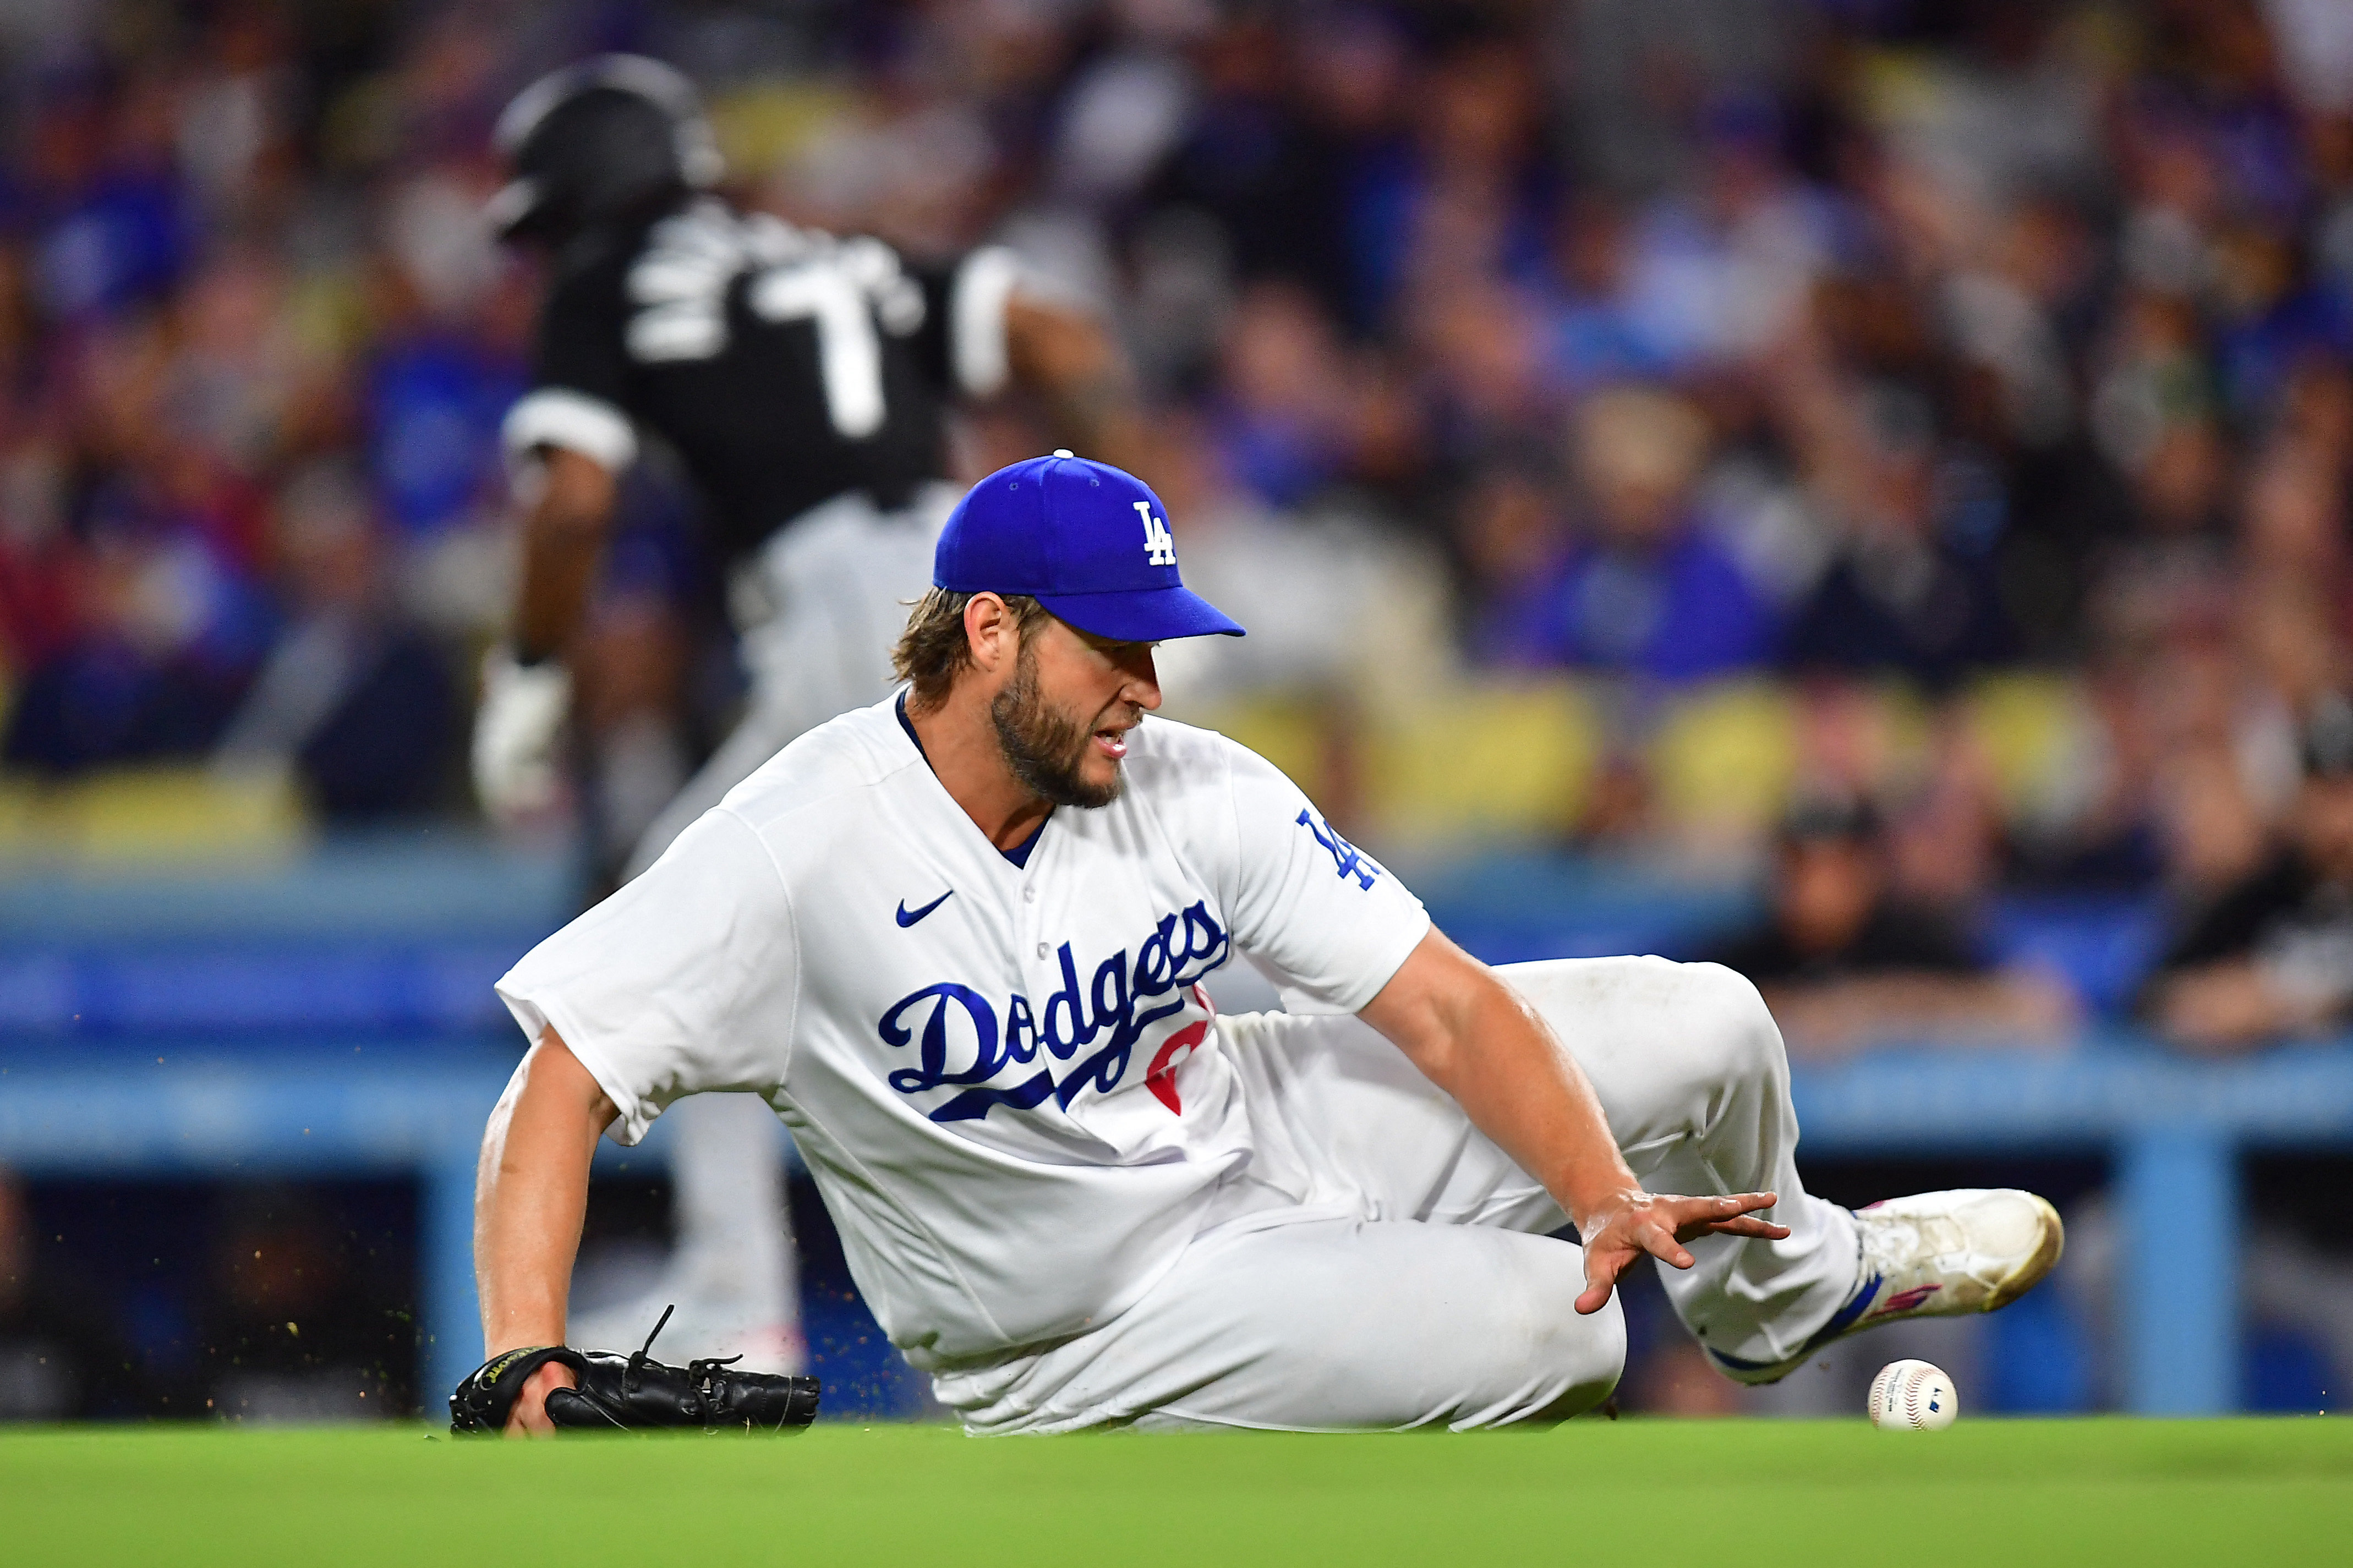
(1087,541)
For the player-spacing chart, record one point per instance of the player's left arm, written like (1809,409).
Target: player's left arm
(1482,1044)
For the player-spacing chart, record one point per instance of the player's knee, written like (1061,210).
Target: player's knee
(1731,1024)
(1586,1355)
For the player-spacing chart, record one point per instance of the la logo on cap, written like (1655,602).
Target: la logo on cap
(1158,548)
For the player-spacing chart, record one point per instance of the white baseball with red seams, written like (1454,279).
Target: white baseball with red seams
(1912,1396)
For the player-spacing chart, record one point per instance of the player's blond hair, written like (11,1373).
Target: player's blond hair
(933,646)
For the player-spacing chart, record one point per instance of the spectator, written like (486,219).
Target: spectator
(1901,596)
(2273,954)
(1274,183)
(1650,592)
(1514,542)
(351,698)
(1596,336)
(2172,570)
(1282,426)
(1310,575)
(1843,962)
(169,632)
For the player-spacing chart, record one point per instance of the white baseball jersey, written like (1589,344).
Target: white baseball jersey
(1003,1077)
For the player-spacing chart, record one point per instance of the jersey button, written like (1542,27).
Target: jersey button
(1041,949)
(1030,894)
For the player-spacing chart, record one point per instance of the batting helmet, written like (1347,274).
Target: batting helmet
(599,142)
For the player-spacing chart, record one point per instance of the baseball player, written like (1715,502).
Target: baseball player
(803,380)
(956,941)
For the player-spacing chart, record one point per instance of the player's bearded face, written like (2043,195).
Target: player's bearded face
(1047,747)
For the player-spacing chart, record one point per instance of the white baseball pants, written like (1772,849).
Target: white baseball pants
(1382,1264)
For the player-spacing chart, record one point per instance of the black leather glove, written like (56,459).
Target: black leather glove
(636,1392)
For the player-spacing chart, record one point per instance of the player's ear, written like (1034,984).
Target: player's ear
(992,631)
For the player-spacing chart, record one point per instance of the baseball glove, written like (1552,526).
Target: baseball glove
(635,1392)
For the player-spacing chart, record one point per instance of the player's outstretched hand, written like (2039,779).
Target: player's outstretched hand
(1637,1222)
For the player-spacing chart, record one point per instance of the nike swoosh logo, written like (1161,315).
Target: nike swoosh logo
(908,918)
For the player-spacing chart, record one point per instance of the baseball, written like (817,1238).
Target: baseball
(1912,1396)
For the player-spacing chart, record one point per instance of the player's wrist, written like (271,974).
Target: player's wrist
(1595,1205)
(518,656)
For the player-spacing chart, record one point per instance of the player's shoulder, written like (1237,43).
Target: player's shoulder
(1167,758)
(832,767)
(1171,742)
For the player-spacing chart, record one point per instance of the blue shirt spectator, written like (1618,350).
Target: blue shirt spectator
(434,402)
(1681,610)
(1650,591)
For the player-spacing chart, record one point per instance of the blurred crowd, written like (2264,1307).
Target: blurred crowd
(1961,385)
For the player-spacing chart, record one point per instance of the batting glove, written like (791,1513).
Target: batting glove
(516,774)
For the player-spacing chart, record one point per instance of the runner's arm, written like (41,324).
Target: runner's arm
(570,508)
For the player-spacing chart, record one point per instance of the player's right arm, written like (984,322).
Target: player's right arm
(531,1194)
(563,536)
(1345,936)
(568,440)
(526,688)
(686,981)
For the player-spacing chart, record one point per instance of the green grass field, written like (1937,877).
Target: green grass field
(1743,1494)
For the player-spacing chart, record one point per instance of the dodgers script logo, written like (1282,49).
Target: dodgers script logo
(958,1039)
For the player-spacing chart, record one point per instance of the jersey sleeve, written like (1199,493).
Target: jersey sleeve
(962,343)
(580,377)
(685,980)
(1327,922)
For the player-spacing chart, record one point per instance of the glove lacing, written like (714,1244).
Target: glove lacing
(701,1372)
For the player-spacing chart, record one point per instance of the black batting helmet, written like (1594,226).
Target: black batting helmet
(597,142)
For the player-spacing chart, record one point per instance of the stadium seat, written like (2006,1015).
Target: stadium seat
(1491,760)
(139,815)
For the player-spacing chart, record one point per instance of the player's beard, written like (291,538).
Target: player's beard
(1046,749)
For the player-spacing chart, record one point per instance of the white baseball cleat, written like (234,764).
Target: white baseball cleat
(1932,1255)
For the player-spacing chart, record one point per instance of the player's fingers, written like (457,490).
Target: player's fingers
(1732,1204)
(1604,1261)
(1657,1241)
(1600,1278)
(1674,1252)
(529,1419)
(1693,1217)
(1661,1242)
(1764,1229)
